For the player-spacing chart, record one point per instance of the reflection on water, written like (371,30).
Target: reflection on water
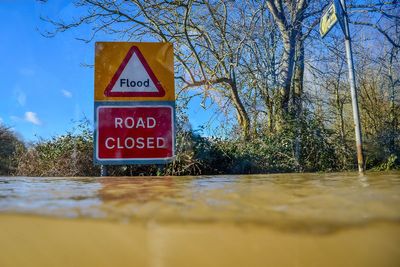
(311,202)
(139,189)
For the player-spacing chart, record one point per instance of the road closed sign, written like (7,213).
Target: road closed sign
(134,134)
(134,103)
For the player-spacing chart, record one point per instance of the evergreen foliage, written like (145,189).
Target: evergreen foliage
(10,145)
(71,154)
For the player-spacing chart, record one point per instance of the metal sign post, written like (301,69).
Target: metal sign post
(328,20)
(103,170)
(352,81)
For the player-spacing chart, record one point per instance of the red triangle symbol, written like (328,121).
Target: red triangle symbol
(134,77)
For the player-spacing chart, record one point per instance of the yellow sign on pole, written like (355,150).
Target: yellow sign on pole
(328,20)
(128,71)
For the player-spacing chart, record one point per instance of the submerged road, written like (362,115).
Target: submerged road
(340,219)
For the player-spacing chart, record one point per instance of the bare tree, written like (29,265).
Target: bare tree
(209,37)
(250,55)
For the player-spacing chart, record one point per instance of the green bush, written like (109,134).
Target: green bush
(10,146)
(383,150)
(70,154)
(302,145)
(260,154)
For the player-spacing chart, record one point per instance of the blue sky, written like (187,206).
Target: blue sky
(44,87)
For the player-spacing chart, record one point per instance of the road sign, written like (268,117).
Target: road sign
(128,71)
(134,77)
(134,103)
(134,134)
(328,20)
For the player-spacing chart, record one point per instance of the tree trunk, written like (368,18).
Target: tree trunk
(243,117)
(298,80)
(288,60)
(297,98)
(393,117)
(339,110)
(271,121)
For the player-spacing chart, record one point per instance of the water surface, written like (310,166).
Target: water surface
(283,220)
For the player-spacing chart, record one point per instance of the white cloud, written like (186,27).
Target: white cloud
(21,98)
(66,93)
(1,120)
(32,118)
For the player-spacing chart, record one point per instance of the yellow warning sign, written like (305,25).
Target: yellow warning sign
(129,71)
(328,20)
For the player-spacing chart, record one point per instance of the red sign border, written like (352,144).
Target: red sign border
(134,50)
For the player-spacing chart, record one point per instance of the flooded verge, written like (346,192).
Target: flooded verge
(257,220)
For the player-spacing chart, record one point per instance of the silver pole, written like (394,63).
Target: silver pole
(103,170)
(352,81)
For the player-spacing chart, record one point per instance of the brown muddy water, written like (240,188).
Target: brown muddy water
(319,220)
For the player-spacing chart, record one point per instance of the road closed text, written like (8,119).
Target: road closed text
(132,142)
(134,132)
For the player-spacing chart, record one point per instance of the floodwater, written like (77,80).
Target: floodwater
(319,220)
